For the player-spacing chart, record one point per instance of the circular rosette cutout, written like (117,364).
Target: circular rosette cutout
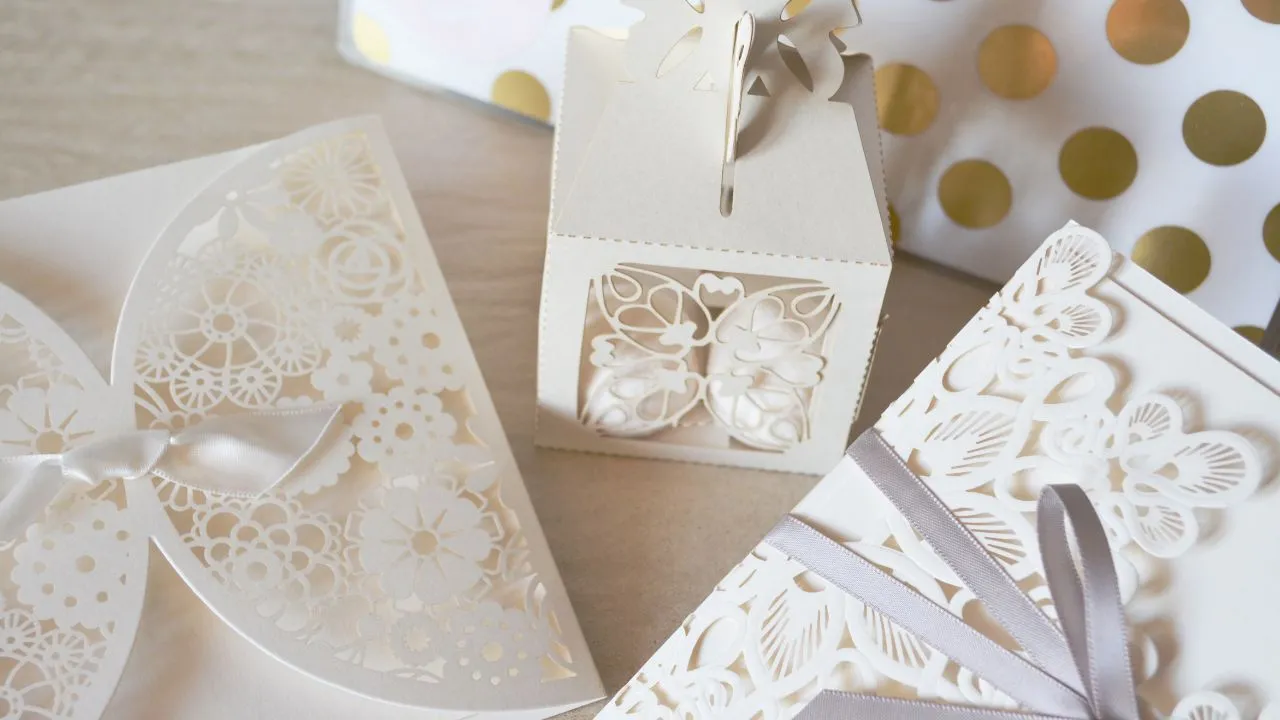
(77,570)
(389,562)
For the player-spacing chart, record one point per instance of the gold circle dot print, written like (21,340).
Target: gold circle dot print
(1264,10)
(519,91)
(907,97)
(1271,232)
(1174,254)
(1252,333)
(1017,62)
(1098,163)
(1224,127)
(1148,31)
(975,194)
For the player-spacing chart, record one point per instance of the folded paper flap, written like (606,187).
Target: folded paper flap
(402,561)
(807,183)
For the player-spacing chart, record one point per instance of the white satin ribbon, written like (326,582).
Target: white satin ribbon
(242,455)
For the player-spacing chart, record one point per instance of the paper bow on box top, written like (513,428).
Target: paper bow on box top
(718,248)
(400,560)
(1084,370)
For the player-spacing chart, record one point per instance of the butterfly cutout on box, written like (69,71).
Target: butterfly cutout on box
(403,562)
(665,355)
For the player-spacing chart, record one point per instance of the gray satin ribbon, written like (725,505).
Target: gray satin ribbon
(1083,674)
(242,455)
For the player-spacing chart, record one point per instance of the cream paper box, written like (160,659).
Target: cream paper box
(685,323)
(403,562)
(1084,369)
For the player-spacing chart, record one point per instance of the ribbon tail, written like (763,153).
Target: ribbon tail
(31,485)
(831,705)
(247,455)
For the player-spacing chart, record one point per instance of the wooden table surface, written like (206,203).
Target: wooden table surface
(91,88)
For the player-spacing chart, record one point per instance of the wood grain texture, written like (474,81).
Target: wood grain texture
(90,88)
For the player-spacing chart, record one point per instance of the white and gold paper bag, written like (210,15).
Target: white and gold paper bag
(1084,370)
(702,308)
(402,561)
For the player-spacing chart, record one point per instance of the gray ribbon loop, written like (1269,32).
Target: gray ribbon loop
(1096,682)
(242,455)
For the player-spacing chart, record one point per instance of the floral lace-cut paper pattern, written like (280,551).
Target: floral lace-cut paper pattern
(74,583)
(402,561)
(1032,391)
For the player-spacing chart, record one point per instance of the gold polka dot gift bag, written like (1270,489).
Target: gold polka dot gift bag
(1155,121)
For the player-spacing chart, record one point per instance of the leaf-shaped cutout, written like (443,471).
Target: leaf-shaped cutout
(964,443)
(75,578)
(1205,706)
(972,359)
(794,628)
(719,643)
(1003,530)
(893,651)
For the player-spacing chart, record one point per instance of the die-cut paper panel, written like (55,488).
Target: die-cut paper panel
(73,585)
(406,563)
(1056,380)
(670,352)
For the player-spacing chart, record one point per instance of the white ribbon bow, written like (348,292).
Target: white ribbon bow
(234,455)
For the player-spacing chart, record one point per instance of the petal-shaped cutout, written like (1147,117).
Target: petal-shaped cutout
(791,629)
(76,578)
(1207,469)
(1205,706)
(390,532)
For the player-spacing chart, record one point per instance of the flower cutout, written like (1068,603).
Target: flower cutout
(343,379)
(415,640)
(363,263)
(428,542)
(346,330)
(335,180)
(281,558)
(403,431)
(408,342)
(28,689)
(71,568)
(20,633)
(36,420)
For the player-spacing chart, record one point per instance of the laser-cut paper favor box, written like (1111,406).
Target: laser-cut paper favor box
(670,329)
(1084,369)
